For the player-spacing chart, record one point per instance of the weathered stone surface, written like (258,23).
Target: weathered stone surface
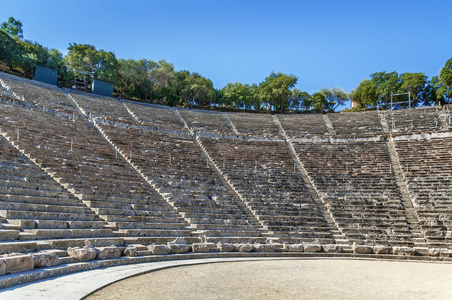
(20,247)
(244,247)
(279,247)
(445,253)
(131,251)
(225,247)
(404,251)
(108,252)
(9,235)
(423,251)
(45,259)
(332,248)
(82,254)
(203,238)
(264,247)
(312,247)
(2,267)
(294,248)
(200,248)
(434,251)
(139,247)
(159,249)
(362,249)
(382,249)
(178,248)
(18,263)
(179,240)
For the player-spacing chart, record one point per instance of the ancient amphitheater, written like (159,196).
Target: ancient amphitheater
(88,182)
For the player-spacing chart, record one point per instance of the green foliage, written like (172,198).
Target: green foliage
(334,97)
(365,94)
(13,27)
(238,95)
(10,49)
(413,83)
(85,57)
(319,102)
(276,89)
(445,82)
(385,85)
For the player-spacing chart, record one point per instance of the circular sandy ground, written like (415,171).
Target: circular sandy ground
(290,279)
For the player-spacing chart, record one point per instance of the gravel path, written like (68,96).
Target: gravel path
(290,279)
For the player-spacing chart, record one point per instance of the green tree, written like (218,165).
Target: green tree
(319,102)
(276,90)
(334,97)
(413,83)
(87,58)
(10,50)
(365,94)
(13,27)
(385,85)
(445,82)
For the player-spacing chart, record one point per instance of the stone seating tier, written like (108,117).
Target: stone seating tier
(205,121)
(177,170)
(357,182)
(254,124)
(155,116)
(42,95)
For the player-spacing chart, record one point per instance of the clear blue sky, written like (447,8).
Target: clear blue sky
(323,43)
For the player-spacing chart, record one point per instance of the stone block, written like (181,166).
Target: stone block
(18,263)
(45,259)
(264,247)
(139,247)
(332,248)
(403,251)
(382,249)
(9,235)
(159,249)
(423,251)
(434,251)
(279,247)
(294,248)
(2,267)
(362,249)
(20,247)
(200,248)
(108,252)
(445,253)
(225,247)
(178,248)
(131,251)
(312,247)
(82,254)
(244,247)
(179,240)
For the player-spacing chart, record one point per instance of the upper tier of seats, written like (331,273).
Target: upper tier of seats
(39,94)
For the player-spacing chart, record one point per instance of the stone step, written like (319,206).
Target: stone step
(63,244)
(33,215)
(67,233)
(148,225)
(152,232)
(9,235)
(43,208)
(39,200)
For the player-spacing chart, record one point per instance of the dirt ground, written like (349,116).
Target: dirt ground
(290,279)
